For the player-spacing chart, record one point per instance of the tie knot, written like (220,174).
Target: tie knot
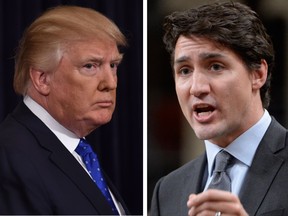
(222,160)
(83,147)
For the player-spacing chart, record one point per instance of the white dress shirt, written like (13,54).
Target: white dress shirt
(243,149)
(66,137)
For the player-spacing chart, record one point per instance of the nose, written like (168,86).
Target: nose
(108,79)
(200,84)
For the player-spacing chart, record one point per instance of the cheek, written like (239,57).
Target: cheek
(183,99)
(76,90)
(62,84)
(69,97)
(182,91)
(179,93)
(234,100)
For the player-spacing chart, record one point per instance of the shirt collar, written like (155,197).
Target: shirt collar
(244,147)
(66,137)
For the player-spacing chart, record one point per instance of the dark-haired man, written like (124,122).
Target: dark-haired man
(222,59)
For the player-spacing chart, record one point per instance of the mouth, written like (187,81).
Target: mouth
(105,103)
(203,112)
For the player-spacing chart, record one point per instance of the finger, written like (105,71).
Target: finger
(212,195)
(202,213)
(229,208)
(189,202)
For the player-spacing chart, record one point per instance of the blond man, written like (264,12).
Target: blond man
(66,70)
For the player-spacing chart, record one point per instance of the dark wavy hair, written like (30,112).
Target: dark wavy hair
(229,24)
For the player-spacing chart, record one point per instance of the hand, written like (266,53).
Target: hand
(211,201)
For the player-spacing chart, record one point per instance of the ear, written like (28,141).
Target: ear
(40,81)
(259,75)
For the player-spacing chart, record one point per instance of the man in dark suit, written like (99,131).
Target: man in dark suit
(222,59)
(66,70)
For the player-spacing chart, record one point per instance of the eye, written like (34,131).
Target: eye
(216,67)
(184,71)
(89,66)
(113,65)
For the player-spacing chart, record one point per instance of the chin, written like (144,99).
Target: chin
(204,134)
(102,121)
(96,119)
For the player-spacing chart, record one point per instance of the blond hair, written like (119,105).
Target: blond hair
(43,43)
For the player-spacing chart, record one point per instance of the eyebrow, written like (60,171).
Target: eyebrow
(117,58)
(182,59)
(202,56)
(205,56)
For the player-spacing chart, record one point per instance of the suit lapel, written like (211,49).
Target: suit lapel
(193,181)
(261,174)
(117,195)
(63,159)
(81,179)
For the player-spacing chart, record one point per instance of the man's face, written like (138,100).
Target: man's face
(83,88)
(217,94)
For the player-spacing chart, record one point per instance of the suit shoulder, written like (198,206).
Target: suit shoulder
(13,132)
(186,169)
(276,137)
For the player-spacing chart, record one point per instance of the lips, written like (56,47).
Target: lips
(203,112)
(105,103)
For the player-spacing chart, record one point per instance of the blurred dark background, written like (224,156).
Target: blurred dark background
(171,141)
(119,143)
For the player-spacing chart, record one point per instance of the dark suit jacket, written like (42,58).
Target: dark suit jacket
(38,175)
(264,190)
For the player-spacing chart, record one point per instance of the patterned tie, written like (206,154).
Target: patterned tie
(92,164)
(220,179)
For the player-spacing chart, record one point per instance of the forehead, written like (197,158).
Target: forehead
(193,43)
(98,47)
(193,47)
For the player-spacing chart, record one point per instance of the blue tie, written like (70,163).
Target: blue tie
(92,164)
